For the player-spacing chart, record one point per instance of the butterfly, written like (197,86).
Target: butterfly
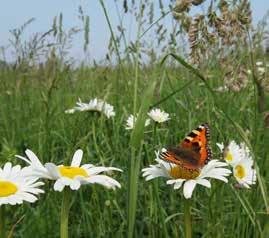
(193,152)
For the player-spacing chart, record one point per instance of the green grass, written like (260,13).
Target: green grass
(33,101)
(32,116)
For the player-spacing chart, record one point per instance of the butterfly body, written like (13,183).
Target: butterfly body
(193,152)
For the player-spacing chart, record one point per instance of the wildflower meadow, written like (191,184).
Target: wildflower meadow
(165,136)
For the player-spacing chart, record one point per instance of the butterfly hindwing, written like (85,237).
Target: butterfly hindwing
(186,158)
(193,152)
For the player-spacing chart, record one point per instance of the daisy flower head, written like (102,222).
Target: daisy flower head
(244,173)
(232,153)
(259,63)
(70,111)
(74,175)
(107,108)
(222,89)
(239,157)
(158,116)
(261,70)
(243,170)
(16,187)
(131,120)
(188,179)
(94,105)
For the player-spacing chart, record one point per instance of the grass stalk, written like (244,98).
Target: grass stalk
(136,139)
(134,163)
(111,30)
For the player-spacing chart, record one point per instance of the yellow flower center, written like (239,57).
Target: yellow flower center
(229,157)
(177,172)
(72,172)
(7,188)
(240,171)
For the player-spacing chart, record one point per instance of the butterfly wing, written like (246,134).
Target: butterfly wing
(193,152)
(184,157)
(198,140)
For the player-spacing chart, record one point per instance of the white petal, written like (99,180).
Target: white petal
(188,188)
(28,197)
(75,185)
(219,177)
(58,186)
(7,169)
(97,170)
(33,158)
(221,146)
(86,166)
(77,157)
(178,183)
(52,170)
(203,182)
(23,158)
(216,171)
(104,180)
(153,172)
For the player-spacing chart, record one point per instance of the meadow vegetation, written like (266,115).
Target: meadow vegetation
(191,73)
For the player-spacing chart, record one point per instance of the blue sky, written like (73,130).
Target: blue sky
(15,12)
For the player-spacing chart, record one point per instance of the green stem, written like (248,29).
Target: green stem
(95,142)
(65,212)
(187,218)
(155,133)
(2,222)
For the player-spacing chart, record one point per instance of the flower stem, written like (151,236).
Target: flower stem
(95,143)
(2,222)
(65,212)
(187,218)
(155,133)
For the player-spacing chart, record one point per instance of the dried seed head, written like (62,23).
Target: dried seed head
(197,2)
(182,6)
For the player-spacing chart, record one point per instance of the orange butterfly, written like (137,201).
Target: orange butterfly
(193,152)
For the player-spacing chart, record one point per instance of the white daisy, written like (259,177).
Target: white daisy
(188,179)
(94,105)
(74,175)
(107,109)
(91,106)
(244,173)
(261,70)
(259,63)
(239,157)
(232,154)
(70,111)
(130,122)
(16,187)
(158,116)
(222,89)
